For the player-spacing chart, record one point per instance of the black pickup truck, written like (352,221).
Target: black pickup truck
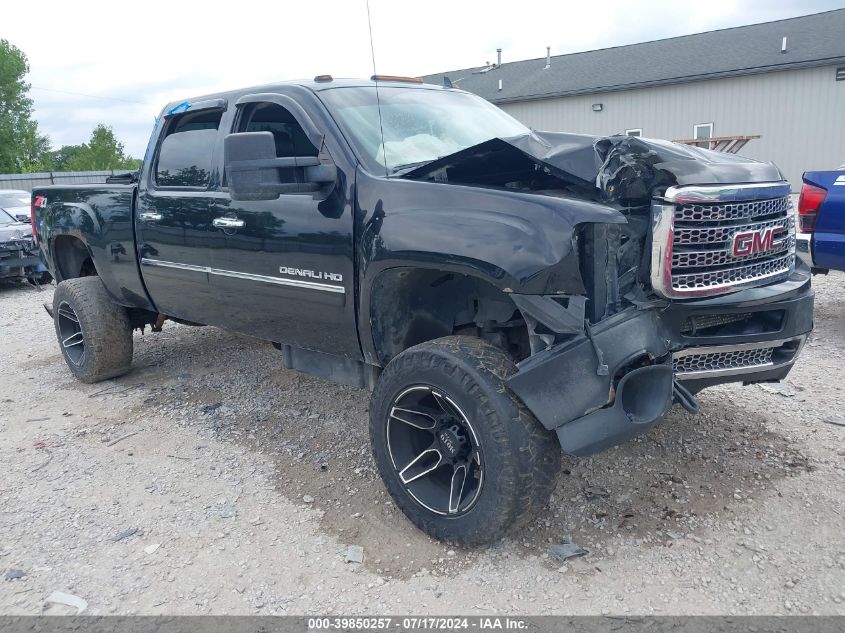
(508,295)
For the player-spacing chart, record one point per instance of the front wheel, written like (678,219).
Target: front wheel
(459,453)
(94,333)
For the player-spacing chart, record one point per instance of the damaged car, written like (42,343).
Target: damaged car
(16,203)
(19,258)
(509,296)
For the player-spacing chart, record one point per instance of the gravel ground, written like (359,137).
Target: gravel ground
(242,485)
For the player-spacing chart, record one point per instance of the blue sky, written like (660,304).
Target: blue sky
(101,62)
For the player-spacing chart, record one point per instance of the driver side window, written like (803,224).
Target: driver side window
(288,135)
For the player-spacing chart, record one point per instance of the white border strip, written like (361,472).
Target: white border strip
(295,283)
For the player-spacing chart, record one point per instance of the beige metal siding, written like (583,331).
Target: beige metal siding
(41,179)
(799,114)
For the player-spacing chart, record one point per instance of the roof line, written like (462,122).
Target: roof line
(722,74)
(665,39)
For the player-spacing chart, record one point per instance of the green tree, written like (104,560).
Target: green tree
(102,151)
(60,159)
(22,148)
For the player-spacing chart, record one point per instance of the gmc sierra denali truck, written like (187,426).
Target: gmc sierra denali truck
(508,295)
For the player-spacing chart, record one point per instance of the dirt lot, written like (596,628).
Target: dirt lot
(243,483)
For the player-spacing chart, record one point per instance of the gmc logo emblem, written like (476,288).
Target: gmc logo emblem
(755,242)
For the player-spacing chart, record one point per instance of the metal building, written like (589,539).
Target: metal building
(781,83)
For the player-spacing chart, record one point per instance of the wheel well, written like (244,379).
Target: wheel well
(72,258)
(410,306)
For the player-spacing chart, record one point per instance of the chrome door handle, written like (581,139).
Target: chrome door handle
(149,216)
(227,223)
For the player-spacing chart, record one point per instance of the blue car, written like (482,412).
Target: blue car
(821,220)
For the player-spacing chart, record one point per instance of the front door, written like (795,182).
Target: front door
(173,216)
(282,269)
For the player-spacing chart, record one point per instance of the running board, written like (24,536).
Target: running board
(337,369)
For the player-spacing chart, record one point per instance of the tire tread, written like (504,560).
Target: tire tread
(108,353)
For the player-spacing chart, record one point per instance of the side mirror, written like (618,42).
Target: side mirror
(252,168)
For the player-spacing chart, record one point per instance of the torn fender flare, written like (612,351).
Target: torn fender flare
(562,384)
(562,318)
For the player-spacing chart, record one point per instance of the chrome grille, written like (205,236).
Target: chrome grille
(688,233)
(716,239)
(717,361)
(734,211)
(695,363)
(732,276)
(696,259)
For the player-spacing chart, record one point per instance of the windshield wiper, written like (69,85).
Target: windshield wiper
(410,166)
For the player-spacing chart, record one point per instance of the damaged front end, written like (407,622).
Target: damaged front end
(19,258)
(603,385)
(604,365)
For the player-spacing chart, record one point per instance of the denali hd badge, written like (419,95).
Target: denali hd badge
(311,274)
(756,242)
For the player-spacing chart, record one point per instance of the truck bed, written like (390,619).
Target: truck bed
(100,215)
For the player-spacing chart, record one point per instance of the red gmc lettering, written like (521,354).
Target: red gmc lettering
(753,242)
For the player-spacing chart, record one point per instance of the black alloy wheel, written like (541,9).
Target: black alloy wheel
(435,450)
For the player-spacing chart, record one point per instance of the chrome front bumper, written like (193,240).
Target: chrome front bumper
(804,248)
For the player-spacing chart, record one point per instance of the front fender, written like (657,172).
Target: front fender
(518,242)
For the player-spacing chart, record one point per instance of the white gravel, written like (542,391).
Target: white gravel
(243,486)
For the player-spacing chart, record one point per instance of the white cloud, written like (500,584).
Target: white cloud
(147,54)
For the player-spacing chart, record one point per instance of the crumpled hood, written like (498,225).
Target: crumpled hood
(17,232)
(628,170)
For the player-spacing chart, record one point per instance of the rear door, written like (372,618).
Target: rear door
(173,214)
(282,269)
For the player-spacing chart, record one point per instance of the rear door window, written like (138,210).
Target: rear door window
(185,156)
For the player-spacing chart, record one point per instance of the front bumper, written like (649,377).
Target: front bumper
(18,261)
(579,388)
(754,335)
(804,248)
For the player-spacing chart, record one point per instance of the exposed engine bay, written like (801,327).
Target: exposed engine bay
(624,173)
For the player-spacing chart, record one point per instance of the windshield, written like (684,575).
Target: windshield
(419,125)
(12,200)
(6,219)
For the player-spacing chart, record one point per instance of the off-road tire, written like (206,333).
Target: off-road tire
(521,458)
(105,328)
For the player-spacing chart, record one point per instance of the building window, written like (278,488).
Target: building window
(702,131)
(637,131)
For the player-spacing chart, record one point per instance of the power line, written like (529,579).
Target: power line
(82,94)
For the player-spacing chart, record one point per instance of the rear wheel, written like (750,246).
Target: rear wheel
(459,453)
(94,333)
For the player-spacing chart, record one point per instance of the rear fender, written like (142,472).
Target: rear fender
(100,218)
